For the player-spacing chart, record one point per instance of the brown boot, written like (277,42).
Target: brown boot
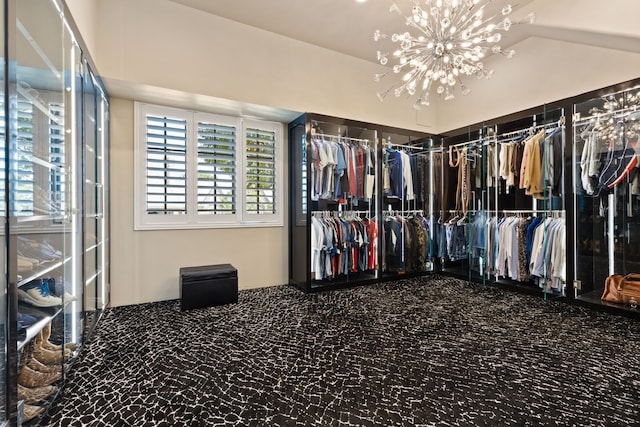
(32,411)
(46,336)
(35,395)
(48,357)
(32,379)
(41,367)
(42,340)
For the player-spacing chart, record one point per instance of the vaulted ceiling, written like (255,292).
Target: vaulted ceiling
(347,26)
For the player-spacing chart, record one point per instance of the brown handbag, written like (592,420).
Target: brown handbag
(620,289)
(631,287)
(612,289)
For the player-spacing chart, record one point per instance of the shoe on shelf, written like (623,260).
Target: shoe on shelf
(38,250)
(35,395)
(26,320)
(32,379)
(64,290)
(41,367)
(49,247)
(32,411)
(26,264)
(39,296)
(46,356)
(46,336)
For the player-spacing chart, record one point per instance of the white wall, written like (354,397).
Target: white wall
(85,15)
(145,264)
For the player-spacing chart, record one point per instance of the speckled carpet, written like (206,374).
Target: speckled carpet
(423,352)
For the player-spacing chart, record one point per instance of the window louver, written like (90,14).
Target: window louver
(260,171)
(166,161)
(22,186)
(216,169)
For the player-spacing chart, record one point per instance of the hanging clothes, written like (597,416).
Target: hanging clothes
(342,245)
(407,243)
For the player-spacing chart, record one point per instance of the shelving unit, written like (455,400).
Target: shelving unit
(493,154)
(352,204)
(55,120)
(606,180)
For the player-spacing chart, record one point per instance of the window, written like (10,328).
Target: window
(197,170)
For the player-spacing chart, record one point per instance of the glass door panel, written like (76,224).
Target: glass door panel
(607,190)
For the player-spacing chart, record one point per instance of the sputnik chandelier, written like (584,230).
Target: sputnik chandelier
(453,37)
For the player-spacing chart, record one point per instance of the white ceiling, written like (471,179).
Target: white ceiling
(347,26)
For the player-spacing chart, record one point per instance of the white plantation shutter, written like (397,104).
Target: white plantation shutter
(166,165)
(54,196)
(262,156)
(22,184)
(260,171)
(216,168)
(201,170)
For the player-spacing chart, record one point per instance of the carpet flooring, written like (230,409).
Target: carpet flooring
(432,351)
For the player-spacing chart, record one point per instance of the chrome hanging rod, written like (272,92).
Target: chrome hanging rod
(338,137)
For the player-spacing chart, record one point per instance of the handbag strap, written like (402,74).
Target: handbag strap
(633,276)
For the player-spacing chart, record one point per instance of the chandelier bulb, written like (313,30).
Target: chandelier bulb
(380,96)
(394,8)
(531,18)
(449,95)
(507,10)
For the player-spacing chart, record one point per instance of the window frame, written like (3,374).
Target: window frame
(194,219)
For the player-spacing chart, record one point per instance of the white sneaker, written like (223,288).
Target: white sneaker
(67,297)
(39,296)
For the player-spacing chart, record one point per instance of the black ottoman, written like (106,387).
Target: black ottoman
(208,285)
